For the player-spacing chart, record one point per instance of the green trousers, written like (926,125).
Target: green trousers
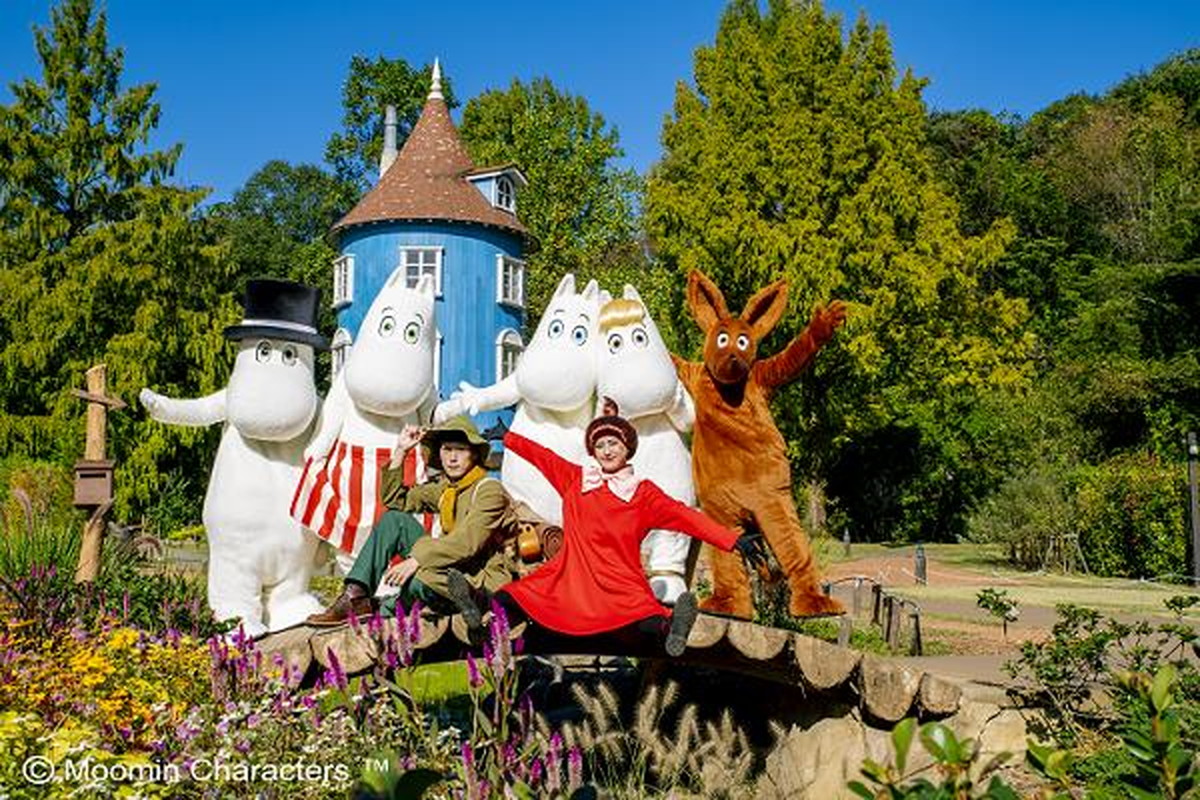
(394,535)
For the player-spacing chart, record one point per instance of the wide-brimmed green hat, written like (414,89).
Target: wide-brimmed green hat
(456,429)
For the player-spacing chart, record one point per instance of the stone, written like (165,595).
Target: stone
(816,761)
(707,631)
(938,696)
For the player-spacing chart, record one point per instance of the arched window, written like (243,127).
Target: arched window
(506,195)
(339,348)
(509,347)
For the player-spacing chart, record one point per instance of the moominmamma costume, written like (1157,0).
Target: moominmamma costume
(386,383)
(259,559)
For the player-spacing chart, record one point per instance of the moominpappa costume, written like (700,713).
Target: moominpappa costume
(386,383)
(635,370)
(259,559)
(554,388)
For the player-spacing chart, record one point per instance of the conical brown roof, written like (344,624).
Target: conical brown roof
(427,181)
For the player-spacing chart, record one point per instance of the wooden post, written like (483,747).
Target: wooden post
(90,492)
(1193,450)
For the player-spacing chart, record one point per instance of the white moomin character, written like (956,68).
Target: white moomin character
(385,384)
(553,386)
(259,559)
(635,369)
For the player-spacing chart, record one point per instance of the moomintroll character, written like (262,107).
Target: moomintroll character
(260,560)
(635,370)
(385,384)
(553,386)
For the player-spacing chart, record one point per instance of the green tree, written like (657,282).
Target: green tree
(100,262)
(370,87)
(579,206)
(799,153)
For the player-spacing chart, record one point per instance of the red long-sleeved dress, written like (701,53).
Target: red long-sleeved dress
(595,583)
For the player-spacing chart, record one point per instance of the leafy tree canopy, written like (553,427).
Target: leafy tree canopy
(799,153)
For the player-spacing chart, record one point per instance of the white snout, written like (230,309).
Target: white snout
(271,396)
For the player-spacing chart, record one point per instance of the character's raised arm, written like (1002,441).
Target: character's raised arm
(474,400)
(333,415)
(198,412)
(682,412)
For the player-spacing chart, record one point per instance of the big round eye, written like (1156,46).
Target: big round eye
(614,342)
(722,339)
(387,325)
(640,337)
(556,328)
(263,351)
(743,341)
(289,354)
(579,335)
(412,332)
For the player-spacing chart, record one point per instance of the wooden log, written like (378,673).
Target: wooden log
(887,689)
(824,666)
(433,628)
(845,631)
(756,641)
(355,649)
(291,646)
(708,630)
(938,696)
(97,434)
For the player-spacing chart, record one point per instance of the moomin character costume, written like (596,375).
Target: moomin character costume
(635,370)
(553,385)
(386,383)
(738,455)
(259,559)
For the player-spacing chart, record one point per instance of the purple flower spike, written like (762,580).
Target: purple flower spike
(474,679)
(574,769)
(536,772)
(335,675)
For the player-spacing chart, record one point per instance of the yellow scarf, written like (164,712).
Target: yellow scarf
(450,496)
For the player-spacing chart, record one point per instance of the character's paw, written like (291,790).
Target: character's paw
(814,604)
(725,607)
(150,400)
(469,398)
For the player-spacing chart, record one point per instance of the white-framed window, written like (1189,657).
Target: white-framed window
(506,194)
(509,347)
(418,261)
(339,348)
(343,281)
(510,280)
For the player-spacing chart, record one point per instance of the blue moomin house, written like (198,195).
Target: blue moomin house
(434,212)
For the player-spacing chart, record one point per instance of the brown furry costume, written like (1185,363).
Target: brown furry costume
(738,455)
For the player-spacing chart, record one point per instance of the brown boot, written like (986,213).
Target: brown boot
(353,601)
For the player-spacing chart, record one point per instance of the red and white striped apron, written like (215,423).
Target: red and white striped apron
(340,501)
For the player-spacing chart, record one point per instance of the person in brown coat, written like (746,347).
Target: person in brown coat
(739,460)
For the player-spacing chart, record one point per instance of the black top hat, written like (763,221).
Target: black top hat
(280,310)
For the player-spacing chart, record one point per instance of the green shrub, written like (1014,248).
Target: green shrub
(1131,514)
(1023,516)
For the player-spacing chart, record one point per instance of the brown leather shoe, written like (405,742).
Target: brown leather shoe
(342,609)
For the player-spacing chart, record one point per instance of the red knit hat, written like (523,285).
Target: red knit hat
(610,423)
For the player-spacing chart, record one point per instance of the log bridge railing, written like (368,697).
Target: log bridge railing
(890,613)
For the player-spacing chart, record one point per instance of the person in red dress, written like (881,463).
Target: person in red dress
(595,584)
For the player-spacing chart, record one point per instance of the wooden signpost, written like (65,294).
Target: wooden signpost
(94,474)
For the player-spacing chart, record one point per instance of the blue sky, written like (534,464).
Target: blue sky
(244,82)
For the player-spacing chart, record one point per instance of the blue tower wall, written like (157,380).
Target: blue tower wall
(468,316)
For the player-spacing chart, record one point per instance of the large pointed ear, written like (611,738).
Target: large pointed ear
(605,297)
(591,292)
(566,285)
(397,276)
(705,301)
(631,293)
(425,286)
(764,309)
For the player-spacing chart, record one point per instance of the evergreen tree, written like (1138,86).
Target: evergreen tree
(799,153)
(579,206)
(101,262)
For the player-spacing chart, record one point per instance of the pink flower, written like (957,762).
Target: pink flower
(474,679)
